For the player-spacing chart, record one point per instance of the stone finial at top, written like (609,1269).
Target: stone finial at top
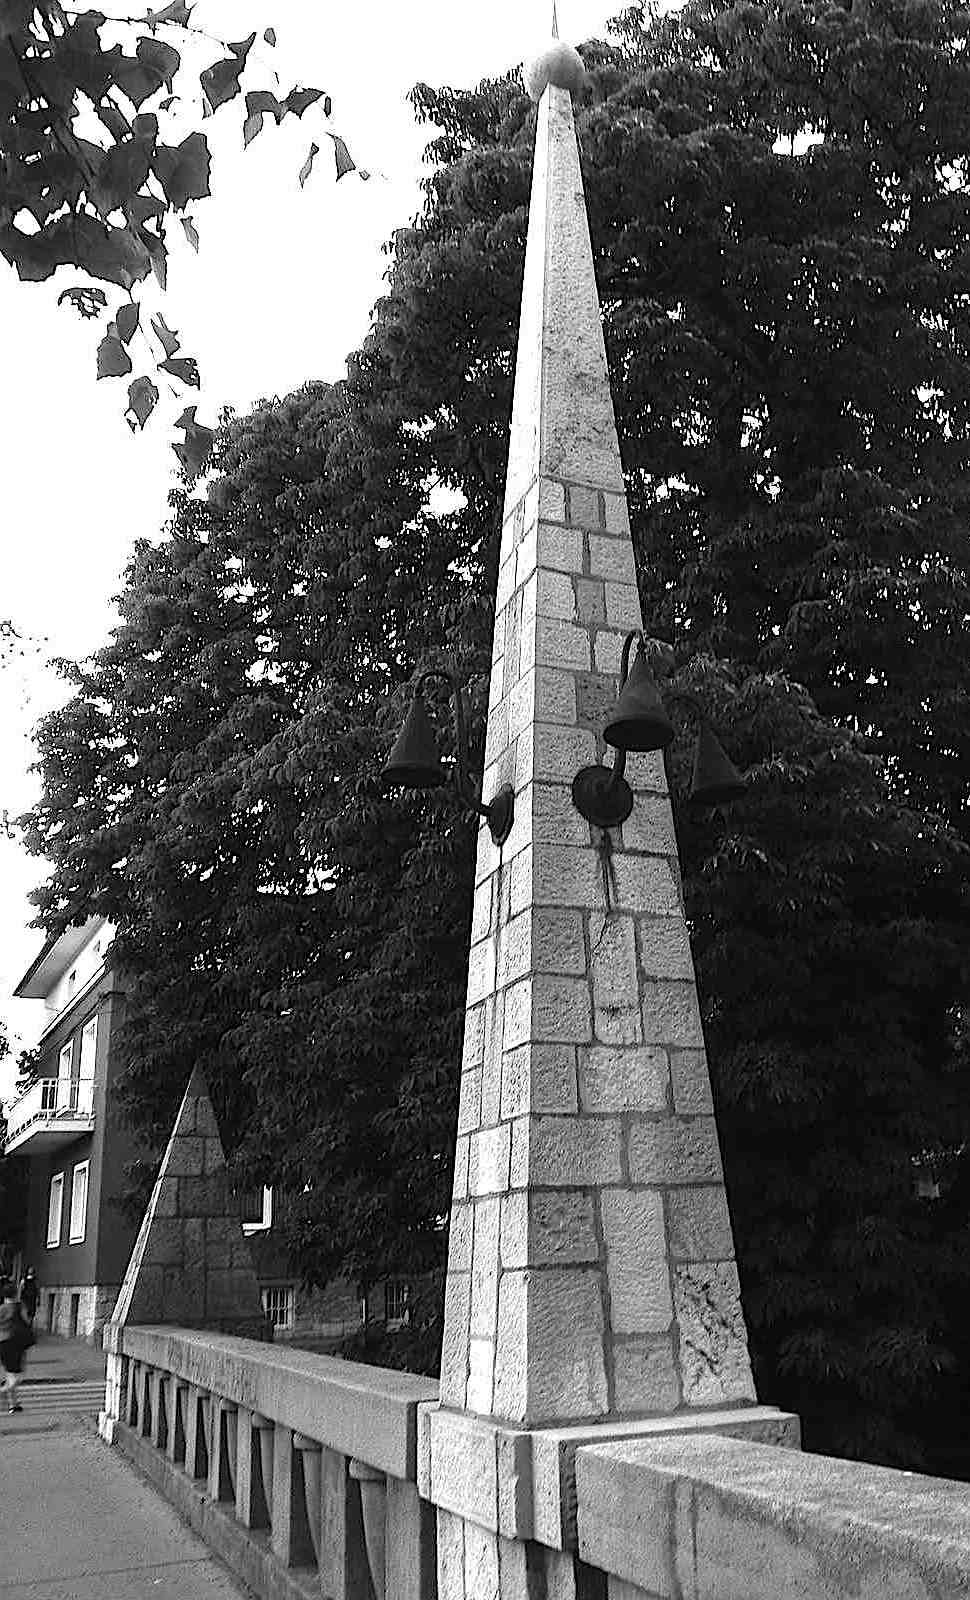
(558,64)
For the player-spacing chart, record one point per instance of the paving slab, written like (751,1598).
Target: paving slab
(77,1523)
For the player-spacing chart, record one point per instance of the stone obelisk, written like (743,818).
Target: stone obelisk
(591,1277)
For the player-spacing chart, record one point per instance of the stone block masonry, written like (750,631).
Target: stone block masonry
(592,1265)
(191,1263)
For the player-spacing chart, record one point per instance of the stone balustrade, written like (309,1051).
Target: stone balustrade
(299,1470)
(302,1472)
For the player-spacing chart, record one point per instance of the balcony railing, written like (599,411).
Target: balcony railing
(52,1111)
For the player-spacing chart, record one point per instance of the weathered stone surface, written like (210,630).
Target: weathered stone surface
(675,1150)
(699,1224)
(636,1265)
(663,948)
(645,1376)
(671,1015)
(543,1228)
(691,1082)
(485,1268)
(488,1160)
(727,1516)
(573,1151)
(714,1360)
(613,960)
(614,1078)
(540,1077)
(554,1319)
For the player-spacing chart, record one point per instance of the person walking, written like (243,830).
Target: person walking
(29,1294)
(16,1336)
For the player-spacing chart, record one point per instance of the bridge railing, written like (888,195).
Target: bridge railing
(298,1469)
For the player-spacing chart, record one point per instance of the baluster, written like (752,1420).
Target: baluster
(310,1453)
(265,1435)
(373,1505)
(178,1393)
(411,1550)
(196,1450)
(159,1409)
(248,1499)
(147,1409)
(222,1448)
(291,1537)
(134,1392)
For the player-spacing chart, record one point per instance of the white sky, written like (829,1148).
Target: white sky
(280,292)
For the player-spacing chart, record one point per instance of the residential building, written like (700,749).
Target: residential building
(66,1126)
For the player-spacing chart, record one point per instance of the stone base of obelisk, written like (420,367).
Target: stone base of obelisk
(506,1496)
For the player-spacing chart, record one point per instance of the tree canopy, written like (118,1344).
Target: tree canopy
(778,208)
(100,155)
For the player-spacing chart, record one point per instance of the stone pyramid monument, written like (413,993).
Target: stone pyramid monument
(592,1291)
(191,1265)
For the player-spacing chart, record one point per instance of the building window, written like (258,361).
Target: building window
(89,1045)
(79,1203)
(54,1209)
(256,1209)
(396,1296)
(63,1102)
(279,1303)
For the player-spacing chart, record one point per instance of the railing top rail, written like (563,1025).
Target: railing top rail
(369,1413)
(702,1504)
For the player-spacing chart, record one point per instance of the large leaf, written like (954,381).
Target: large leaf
(122,173)
(345,161)
(114,254)
(159,57)
(220,82)
(197,447)
(137,80)
(178,12)
(183,170)
(113,359)
(185,368)
(126,321)
(89,302)
(307,166)
(167,338)
(297,100)
(142,400)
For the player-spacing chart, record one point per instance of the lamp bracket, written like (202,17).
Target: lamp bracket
(603,796)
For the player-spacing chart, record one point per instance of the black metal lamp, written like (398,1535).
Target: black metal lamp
(640,722)
(414,762)
(715,781)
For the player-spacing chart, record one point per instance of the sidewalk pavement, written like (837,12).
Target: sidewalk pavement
(56,1360)
(78,1523)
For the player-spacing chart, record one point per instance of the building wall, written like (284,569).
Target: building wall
(91,1270)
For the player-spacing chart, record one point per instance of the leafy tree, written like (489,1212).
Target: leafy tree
(96,164)
(780,334)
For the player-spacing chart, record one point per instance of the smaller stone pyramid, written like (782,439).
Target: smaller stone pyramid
(191,1265)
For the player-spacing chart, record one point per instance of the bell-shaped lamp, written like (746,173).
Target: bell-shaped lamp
(639,721)
(413,762)
(716,780)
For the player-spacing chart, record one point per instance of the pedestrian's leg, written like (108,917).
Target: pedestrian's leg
(13,1378)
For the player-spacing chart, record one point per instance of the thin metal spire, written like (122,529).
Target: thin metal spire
(555,21)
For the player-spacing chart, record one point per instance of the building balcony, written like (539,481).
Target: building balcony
(51,1113)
